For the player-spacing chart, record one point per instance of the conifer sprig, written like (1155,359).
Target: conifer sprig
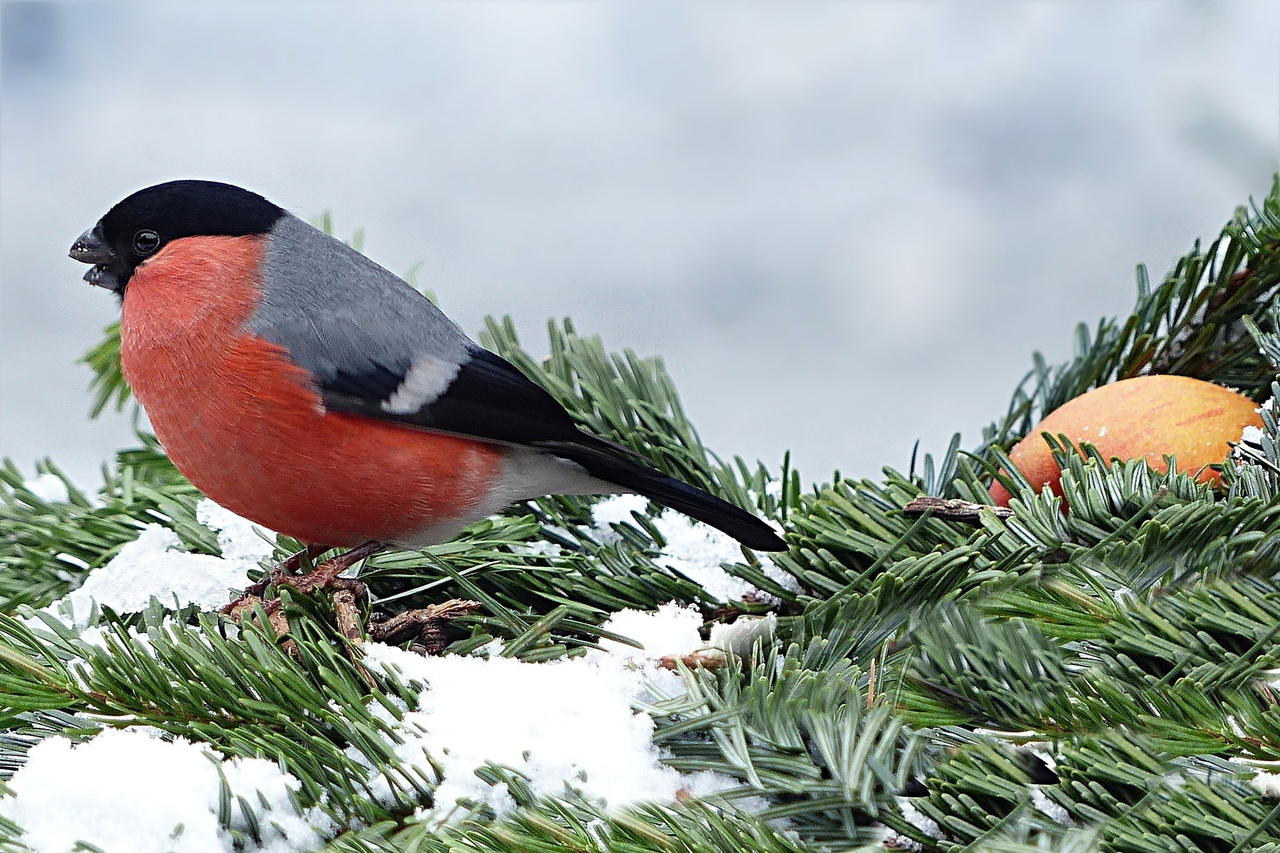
(1193,324)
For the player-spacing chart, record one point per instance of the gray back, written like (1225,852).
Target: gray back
(337,312)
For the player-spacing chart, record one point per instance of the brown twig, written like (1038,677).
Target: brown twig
(426,625)
(954,509)
(705,658)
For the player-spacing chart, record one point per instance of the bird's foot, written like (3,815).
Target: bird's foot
(347,592)
(324,576)
(424,627)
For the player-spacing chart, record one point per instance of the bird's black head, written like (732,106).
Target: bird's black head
(141,225)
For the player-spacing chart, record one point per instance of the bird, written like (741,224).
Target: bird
(304,387)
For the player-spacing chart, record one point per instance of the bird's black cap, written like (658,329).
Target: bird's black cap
(140,225)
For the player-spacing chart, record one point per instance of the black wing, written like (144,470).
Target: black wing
(488,398)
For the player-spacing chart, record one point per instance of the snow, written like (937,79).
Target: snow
(693,549)
(697,550)
(1252,434)
(574,725)
(672,630)
(73,560)
(537,548)
(741,635)
(129,790)
(238,538)
(893,841)
(154,565)
(617,509)
(48,487)
(1267,783)
(922,822)
(1051,808)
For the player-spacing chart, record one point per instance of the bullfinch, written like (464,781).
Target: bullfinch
(299,384)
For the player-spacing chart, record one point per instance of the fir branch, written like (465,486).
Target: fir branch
(47,547)
(800,728)
(554,825)
(1192,324)
(108,384)
(244,696)
(983,792)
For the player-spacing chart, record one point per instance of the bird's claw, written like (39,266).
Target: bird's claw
(423,627)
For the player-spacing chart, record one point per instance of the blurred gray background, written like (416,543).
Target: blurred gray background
(845,225)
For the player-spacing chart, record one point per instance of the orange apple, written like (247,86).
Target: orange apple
(1148,417)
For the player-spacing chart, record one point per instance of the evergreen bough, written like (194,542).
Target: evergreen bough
(1095,680)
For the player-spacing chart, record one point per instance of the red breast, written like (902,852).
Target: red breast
(248,427)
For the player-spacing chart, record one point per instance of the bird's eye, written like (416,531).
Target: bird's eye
(146,241)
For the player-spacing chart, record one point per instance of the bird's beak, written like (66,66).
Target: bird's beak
(92,248)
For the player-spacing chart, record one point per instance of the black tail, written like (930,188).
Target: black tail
(606,462)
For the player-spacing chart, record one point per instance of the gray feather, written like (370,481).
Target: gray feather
(339,313)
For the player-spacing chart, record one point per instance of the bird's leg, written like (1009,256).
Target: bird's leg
(286,568)
(325,575)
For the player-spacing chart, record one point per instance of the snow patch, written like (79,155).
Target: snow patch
(672,630)
(575,726)
(537,548)
(697,550)
(48,487)
(922,822)
(238,538)
(1048,807)
(616,510)
(893,841)
(693,549)
(128,790)
(741,636)
(154,565)
(1268,784)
